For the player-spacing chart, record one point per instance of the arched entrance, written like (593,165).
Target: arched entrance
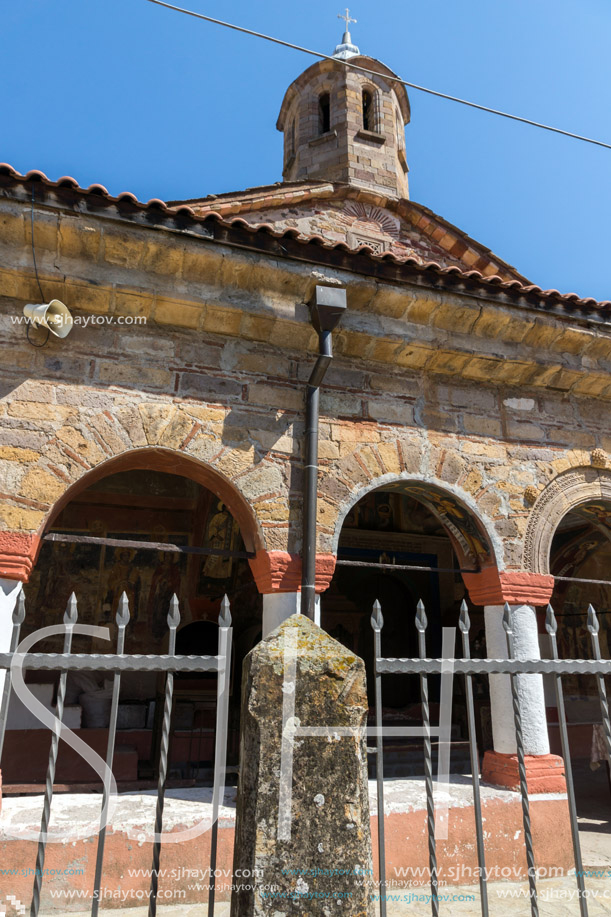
(108,537)
(580,560)
(399,544)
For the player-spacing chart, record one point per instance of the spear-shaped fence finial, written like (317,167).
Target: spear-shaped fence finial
(71,612)
(19,609)
(551,625)
(377,619)
(122,617)
(225,612)
(507,619)
(464,621)
(421,618)
(174,613)
(593,625)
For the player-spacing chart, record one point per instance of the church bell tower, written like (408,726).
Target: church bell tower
(343,125)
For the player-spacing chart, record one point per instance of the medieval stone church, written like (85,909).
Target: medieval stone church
(463,435)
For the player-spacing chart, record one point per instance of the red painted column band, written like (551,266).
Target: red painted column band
(279,571)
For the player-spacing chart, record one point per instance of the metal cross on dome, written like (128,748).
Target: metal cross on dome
(346,18)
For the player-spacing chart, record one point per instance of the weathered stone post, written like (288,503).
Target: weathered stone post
(303,840)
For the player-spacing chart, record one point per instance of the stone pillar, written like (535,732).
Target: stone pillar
(278,606)
(302,822)
(523,591)
(278,578)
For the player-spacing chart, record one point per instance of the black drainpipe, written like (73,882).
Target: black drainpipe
(326,309)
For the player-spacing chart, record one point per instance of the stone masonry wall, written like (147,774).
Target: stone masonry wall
(490,403)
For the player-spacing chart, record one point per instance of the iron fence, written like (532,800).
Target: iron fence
(171,664)
(468,667)
(116,664)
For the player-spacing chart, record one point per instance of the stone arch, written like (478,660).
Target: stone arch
(172,462)
(473,538)
(566,492)
(188,437)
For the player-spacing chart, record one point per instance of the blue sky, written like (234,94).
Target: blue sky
(143,99)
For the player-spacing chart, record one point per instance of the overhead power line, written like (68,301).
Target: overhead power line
(394,79)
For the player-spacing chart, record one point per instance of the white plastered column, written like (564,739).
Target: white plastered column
(9,590)
(530,687)
(278,606)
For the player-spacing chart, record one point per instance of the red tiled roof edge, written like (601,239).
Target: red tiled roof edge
(569,301)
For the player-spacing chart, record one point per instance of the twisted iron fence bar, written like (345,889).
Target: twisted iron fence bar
(377,623)
(18,619)
(465,626)
(517,720)
(421,624)
(551,627)
(122,620)
(593,628)
(70,618)
(220,750)
(173,622)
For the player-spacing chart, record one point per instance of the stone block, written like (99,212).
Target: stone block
(19,518)
(293,335)
(45,231)
(154,419)
(482,426)
(337,404)
(122,249)
(283,398)
(202,385)
(389,457)
(303,804)
(222,320)
(12,230)
(398,383)
(175,312)
(414,356)
(132,374)
(132,303)
(17,454)
(386,350)
(257,327)
(263,362)
(199,354)
(91,299)
(41,486)
(78,240)
(388,411)
(448,362)
(525,431)
(165,258)
(460,319)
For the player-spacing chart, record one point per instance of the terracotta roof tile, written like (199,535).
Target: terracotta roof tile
(546,298)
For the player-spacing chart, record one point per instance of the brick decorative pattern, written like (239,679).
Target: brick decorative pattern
(340,213)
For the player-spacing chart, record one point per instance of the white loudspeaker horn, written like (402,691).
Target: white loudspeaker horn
(54,316)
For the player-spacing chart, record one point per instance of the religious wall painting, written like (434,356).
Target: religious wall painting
(221,533)
(457,520)
(64,568)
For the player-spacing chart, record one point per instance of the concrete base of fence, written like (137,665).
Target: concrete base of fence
(71,864)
